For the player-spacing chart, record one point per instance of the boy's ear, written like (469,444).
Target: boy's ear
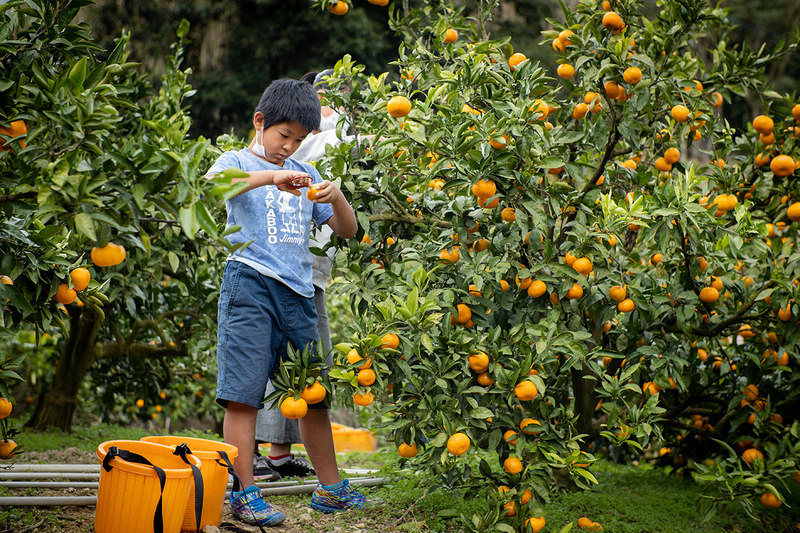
(258,120)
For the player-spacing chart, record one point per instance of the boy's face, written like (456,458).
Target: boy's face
(280,140)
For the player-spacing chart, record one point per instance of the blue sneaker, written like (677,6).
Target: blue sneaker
(250,508)
(340,499)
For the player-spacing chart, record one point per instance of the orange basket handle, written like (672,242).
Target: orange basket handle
(237,483)
(181,451)
(125,455)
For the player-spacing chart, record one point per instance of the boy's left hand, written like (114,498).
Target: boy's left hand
(326,193)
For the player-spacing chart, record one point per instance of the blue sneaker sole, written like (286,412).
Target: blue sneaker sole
(272,521)
(324,508)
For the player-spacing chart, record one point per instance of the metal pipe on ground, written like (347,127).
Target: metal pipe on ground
(61,501)
(95,484)
(95,468)
(53,468)
(23,476)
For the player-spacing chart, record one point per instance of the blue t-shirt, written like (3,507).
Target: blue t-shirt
(278,222)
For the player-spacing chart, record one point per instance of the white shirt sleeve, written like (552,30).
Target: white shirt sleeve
(313,147)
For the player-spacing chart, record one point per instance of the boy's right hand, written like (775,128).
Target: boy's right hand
(291,181)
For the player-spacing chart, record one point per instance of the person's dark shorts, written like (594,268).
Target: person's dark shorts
(258,316)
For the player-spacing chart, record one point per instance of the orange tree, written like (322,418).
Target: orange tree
(566,260)
(103,197)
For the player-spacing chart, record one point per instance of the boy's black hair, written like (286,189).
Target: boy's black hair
(291,101)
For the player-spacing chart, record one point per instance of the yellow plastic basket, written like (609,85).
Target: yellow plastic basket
(215,477)
(129,493)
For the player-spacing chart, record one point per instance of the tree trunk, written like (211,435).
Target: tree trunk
(584,398)
(56,406)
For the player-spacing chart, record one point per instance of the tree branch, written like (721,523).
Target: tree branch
(409,220)
(17,196)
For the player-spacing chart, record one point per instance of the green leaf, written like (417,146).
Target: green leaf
(174,262)
(77,75)
(85,226)
(189,221)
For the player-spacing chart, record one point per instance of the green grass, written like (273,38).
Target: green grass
(636,500)
(88,438)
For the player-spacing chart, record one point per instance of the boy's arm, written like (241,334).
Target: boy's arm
(343,222)
(286,180)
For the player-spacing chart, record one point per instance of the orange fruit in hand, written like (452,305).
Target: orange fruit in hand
(363,399)
(450,36)
(311,193)
(5,408)
(80,278)
(366,377)
(709,295)
(617,293)
(458,443)
(109,255)
(632,75)
(339,8)
(399,106)
(7,449)
(515,60)
(65,295)
(294,409)
(526,391)
(314,393)
(512,465)
(407,450)
(390,340)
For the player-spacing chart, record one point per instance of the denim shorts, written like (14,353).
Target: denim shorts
(258,316)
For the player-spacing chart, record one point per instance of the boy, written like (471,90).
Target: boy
(266,294)
(271,425)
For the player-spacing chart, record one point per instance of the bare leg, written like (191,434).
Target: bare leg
(239,428)
(280,449)
(315,428)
